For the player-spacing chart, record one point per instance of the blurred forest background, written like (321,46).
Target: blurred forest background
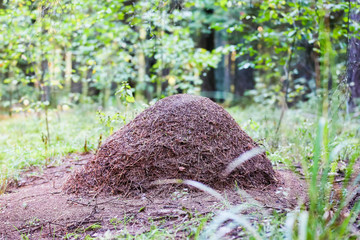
(288,71)
(60,53)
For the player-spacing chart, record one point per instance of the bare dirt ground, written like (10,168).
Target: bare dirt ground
(38,208)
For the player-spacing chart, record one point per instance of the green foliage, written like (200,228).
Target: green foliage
(48,44)
(153,45)
(285,42)
(110,121)
(125,94)
(150,48)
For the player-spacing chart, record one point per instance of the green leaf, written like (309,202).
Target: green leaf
(130,99)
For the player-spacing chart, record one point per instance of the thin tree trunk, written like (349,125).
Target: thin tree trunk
(11,88)
(38,68)
(45,82)
(227,73)
(221,72)
(84,84)
(353,71)
(54,75)
(207,41)
(140,93)
(68,71)
(106,95)
(317,70)
(244,78)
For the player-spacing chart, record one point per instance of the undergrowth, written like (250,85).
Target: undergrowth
(24,143)
(326,150)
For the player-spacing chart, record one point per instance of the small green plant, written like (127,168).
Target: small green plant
(72,236)
(86,148)
(33,222)
(93,227)
(24,236)
(115,222)
(88,237)
(38,106)
(45,139)
(110,120)
(179,194)
(125,93)
(126,219)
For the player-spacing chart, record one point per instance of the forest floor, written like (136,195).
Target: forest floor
(33,173)
(37,208)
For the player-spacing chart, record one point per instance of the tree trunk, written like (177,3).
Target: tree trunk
(244,78)
(68,71)
(206,40)
(141,84)
(85,75)
(222,76)
(45,81)
(353,71)
(11,90)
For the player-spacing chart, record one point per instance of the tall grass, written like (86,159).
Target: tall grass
(327,214)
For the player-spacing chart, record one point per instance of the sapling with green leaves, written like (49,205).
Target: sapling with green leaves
(125,95)
(43,106)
